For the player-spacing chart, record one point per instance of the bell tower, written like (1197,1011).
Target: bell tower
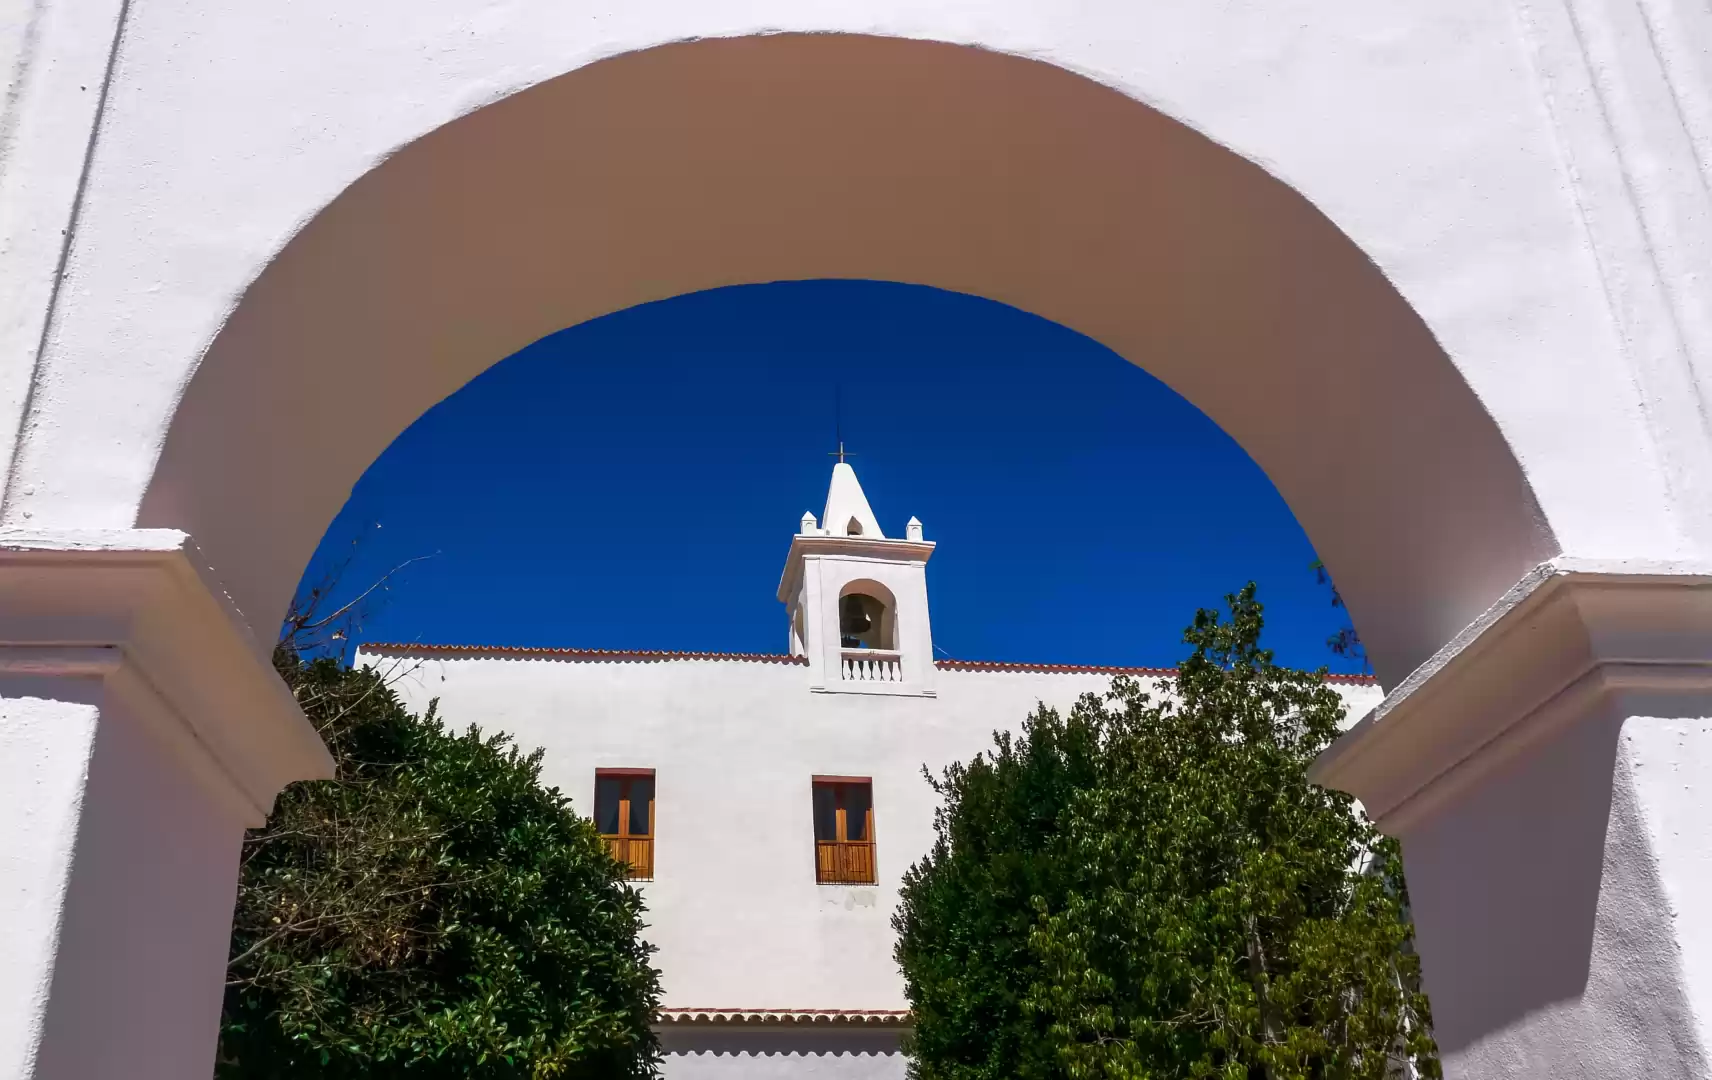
(856,600)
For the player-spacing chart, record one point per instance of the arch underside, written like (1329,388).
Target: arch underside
(794,157)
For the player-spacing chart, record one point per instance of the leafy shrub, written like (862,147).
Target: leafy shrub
(1151,888)
(432,912)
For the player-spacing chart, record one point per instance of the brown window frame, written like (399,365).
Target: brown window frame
(841,860)
(635,850)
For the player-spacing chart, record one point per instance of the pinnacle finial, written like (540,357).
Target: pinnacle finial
(847,510)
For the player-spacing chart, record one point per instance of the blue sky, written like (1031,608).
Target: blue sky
(634,482)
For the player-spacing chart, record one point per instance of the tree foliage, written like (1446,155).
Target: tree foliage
(1149,887)
(432,912)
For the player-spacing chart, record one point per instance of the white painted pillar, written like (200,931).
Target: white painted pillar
(1550,776)
(141,731)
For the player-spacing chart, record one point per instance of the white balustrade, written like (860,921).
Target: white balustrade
(872,665)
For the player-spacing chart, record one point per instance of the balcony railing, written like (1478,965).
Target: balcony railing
(638,851)
(872,665)
(844,862)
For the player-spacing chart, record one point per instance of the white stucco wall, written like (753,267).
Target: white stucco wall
(735,910)
(1668,761)
(1563,906)
(211,213)
(139,737)
(44,749)
(151,924)
(1525,175)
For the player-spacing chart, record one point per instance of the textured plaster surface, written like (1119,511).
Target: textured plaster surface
(1629,88)
(1544,922)
(147,924)
(44,760)
(139,734)
(117,876)
(1670,779)
(55,63)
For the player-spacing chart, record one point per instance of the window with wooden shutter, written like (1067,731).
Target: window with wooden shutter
(844,830)
(624,814)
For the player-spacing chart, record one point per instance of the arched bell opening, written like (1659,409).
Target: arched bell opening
(867,617)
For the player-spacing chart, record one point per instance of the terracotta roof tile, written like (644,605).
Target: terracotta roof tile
(1094,669)
(658,655)
(609,655)
(1052,669)
(1351,680)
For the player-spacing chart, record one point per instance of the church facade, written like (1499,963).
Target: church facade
(769,804)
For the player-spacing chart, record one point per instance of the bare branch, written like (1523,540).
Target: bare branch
(360,597)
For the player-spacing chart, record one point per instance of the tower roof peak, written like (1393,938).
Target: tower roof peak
(847,509)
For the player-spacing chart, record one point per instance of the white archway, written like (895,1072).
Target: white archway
(791,157)
(1508,173)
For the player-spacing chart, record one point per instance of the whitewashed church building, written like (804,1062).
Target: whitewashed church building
(769,804)
(1439,268)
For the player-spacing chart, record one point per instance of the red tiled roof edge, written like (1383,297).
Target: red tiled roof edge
(1091,669)
(649,655)
(614,655)
(875,1017)
(1352,680)
(1051,669)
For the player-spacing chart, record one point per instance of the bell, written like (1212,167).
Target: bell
(853,617)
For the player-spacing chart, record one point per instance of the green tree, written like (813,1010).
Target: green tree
(1149,887)
(432,912)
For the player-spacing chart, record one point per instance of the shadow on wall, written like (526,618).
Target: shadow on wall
(780,1042)
(1569,871)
